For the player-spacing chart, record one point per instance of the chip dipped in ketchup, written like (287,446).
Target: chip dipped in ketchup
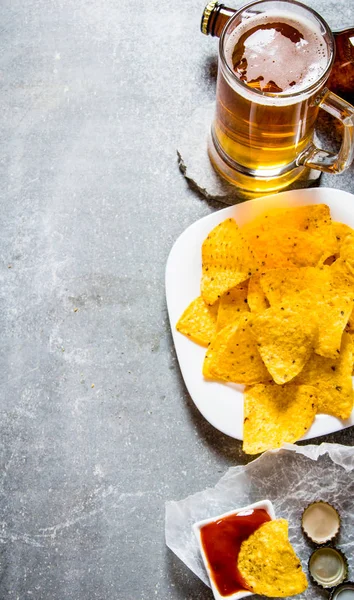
(220,541)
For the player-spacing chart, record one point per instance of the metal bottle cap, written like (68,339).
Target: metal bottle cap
(206,16)
(320,522)
(328,567)
(345,591)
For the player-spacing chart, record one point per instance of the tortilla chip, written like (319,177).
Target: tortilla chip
(332,380)
(233,355)
(350,325)
(352,338)
(320,294)
(281,283)
(341,230)
(342,275)
(231,306)
(226,261)
(285,338)
(346,251)
(292,237)
(313,219)
(268,564)
(333,312)
(275,414)
(198,321)
(256,298)
(289,248)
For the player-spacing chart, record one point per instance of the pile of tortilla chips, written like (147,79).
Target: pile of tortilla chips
(268,564)
(276,314)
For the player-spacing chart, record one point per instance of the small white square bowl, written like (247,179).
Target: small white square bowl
(266,505)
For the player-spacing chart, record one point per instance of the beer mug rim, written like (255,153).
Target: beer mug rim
(307,91)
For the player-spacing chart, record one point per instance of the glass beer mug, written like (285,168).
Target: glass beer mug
(275,57)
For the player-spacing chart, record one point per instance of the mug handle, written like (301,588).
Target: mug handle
(316,158)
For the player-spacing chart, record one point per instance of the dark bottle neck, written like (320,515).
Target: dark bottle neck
(342,76)
(215,17)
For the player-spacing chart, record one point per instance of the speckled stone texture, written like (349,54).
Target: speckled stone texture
(97,429)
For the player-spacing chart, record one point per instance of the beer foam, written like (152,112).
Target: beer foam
(271,56)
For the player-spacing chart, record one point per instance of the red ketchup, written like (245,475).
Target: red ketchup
(221,541)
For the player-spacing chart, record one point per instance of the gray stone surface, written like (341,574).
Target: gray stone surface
(97,429)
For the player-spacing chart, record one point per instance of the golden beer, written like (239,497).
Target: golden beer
(261,136)
(274,60)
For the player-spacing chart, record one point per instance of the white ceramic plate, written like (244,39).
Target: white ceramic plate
(222,404)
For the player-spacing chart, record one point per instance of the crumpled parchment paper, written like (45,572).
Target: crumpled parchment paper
(291,478)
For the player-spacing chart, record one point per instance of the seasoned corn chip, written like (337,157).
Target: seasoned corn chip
(342,275)
(275,414)
(341,230)
(292,237)
(350,325)
(285,340)
(256,298)
(198,321)
(268,563)
(315,219)
(308,288)
(231,306)
(226,261)
(278,284)
(287,248)
(332,380)
(233,356)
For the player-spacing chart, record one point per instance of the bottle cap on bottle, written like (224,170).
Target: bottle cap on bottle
(204,26)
